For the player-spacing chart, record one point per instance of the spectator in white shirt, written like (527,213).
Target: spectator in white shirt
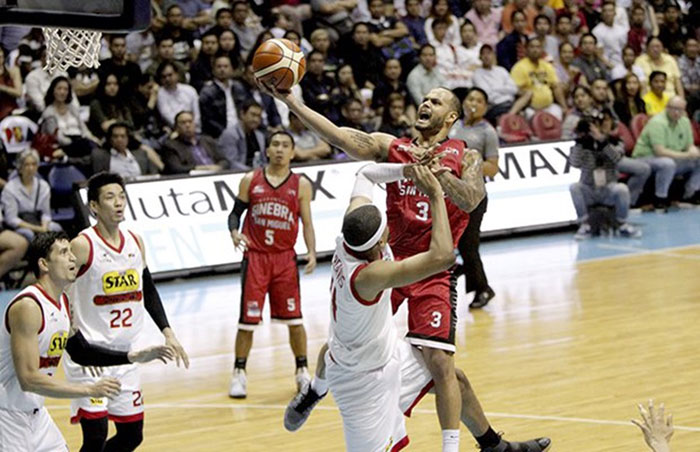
(37,84)
(627,66)
(611,36)
(453,70)
(441,11)
(468,52)
(424,76)
(498,85)
(174,97)
(543,27)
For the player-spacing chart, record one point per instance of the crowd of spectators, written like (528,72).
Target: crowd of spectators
(181,95)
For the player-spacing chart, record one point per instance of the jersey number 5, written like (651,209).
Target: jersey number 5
(423,209)
(269,237)
(123,315)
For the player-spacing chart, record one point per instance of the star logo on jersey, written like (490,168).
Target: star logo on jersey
(258,189)
(57,344)
(118,282)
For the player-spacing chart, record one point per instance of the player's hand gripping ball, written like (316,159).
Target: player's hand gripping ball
(279,63)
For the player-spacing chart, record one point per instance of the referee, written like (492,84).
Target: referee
(479,135)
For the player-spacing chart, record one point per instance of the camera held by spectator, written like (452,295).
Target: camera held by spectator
(597,153)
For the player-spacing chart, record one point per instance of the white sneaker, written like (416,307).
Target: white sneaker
(584,232)
(238,389)
(302,378)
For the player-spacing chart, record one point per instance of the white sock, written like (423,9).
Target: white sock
(319,385)
(450,440)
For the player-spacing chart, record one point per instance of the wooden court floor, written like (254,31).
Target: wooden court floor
(566,350)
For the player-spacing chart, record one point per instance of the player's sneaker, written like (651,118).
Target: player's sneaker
(627,230)
(302,378)
(533,445)
(584,232)
(299,409)
(238,389)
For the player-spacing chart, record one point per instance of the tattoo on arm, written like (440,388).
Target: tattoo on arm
(468,191)
(359,145)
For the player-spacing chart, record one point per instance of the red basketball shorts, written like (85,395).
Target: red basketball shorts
(432,310)
(275,274)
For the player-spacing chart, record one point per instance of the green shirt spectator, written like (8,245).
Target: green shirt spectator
(661,131)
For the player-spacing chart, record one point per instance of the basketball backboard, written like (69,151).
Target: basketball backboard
(104,15)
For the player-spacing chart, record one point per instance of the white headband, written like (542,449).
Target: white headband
(374,239)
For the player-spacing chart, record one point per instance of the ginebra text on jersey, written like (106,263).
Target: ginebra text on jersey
(273,209)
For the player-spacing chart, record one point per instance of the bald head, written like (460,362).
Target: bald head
(677,102)
(675,108)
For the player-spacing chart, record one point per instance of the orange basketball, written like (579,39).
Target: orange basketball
(279,63)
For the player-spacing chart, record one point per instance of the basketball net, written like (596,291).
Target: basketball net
(71,47)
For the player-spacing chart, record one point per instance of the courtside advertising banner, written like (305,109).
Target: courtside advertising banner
(183,220)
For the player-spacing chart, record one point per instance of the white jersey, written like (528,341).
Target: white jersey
(107,298)
(52,338)
(362,333)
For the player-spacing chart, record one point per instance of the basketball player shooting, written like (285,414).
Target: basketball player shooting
(275,198)
(109,301)
(431,302)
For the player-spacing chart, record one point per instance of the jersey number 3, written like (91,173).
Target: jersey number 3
(423,209)
(121,318)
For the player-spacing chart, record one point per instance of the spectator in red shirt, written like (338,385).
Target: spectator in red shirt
(637,35)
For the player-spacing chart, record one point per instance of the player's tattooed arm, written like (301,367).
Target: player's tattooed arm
(468,191)
(364,146)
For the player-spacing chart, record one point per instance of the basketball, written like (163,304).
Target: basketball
(279,63)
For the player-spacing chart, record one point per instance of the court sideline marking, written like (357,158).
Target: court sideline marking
(253,406)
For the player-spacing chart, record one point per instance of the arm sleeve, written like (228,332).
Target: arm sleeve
(375,173)
(234,218)
(152,301)
(86,354)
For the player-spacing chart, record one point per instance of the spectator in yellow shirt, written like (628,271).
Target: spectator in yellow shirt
(536,77)
(656,98)
(655,59)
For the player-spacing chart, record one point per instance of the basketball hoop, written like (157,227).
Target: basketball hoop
(71,47)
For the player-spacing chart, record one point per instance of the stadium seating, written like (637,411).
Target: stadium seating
(546,126)
(637,124)
(514,128)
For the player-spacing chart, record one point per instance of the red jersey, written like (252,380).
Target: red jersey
(408,210)
(272,222)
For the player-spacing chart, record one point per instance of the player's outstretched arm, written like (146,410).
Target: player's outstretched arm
(357,144)
(86,354)
(305,194)
(24,321)
(381,275)
(154,307)
(468,191)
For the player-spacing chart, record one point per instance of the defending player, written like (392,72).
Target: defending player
(431,302)
(33,337)
(109,302)
(275,198)
(365,355)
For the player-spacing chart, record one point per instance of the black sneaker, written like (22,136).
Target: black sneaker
(299,409)
(662,204)
(533,445)
(695,199)
(482,298)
